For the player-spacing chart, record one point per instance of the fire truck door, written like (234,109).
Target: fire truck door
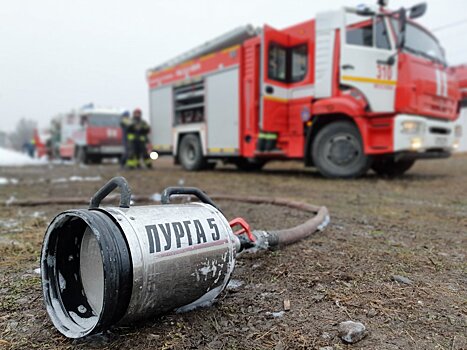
(366,47)
(273,80)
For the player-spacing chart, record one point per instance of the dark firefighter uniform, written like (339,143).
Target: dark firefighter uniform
(137,137)
(125,122)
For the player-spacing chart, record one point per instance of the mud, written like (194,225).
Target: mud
(414,227)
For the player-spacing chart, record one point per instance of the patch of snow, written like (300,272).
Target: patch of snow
(10,200)
(38,270)
(8,181)
(9,223)
(13,158)
(62,161)
(76,178)
(234,284)
(86,178)
(58,180)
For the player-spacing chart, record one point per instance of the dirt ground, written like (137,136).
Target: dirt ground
(415,226)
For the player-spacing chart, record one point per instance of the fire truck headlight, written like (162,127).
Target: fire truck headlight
(416,143)
(458,131)
(412,127)
(154,155)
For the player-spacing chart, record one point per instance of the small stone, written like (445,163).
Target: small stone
(286,304)
(372,313)
(326,348)
(326,336)
(318,297)
(278,314)
(22,301)
(402,279)
(12,325)
(319,287)
(352,332)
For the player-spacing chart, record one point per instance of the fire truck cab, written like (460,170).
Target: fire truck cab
(353,89)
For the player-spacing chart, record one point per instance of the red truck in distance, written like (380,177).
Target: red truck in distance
(91,134)
(353,89)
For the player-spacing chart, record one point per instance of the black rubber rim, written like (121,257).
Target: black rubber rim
(60,260)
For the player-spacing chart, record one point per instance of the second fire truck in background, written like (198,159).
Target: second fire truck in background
(90,134)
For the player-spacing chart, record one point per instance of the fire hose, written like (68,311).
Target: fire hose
(106,266)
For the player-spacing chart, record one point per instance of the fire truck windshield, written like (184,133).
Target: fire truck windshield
(419,42)
(109,120)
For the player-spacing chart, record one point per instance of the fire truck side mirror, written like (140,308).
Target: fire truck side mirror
(402,27)
(84,120)
(365,12)
(417,10)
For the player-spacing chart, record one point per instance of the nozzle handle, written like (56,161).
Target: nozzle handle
(125,192)
(170,191)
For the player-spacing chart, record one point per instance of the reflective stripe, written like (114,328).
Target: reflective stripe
(131,137)
(369,80)
(267,136)
(274,98)
(132,163)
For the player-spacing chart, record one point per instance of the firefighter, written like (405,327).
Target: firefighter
(125,124)
(137,138)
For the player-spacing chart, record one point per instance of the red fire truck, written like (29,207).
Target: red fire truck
(91,134)
(353,89)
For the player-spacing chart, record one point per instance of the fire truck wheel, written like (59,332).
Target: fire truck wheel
(391,167)
(245,164)
(338,151)
(211,165)
(190,153)
(96,160)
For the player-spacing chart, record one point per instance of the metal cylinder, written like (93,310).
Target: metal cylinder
(116,265)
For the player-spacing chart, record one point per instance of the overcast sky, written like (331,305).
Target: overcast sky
(56,55)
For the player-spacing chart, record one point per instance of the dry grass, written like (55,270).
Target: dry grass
(415,226)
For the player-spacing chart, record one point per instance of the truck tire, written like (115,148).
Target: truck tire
(338,151)
(190,153)
(245,164)
(210,165)
(390,167)
(96,159)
